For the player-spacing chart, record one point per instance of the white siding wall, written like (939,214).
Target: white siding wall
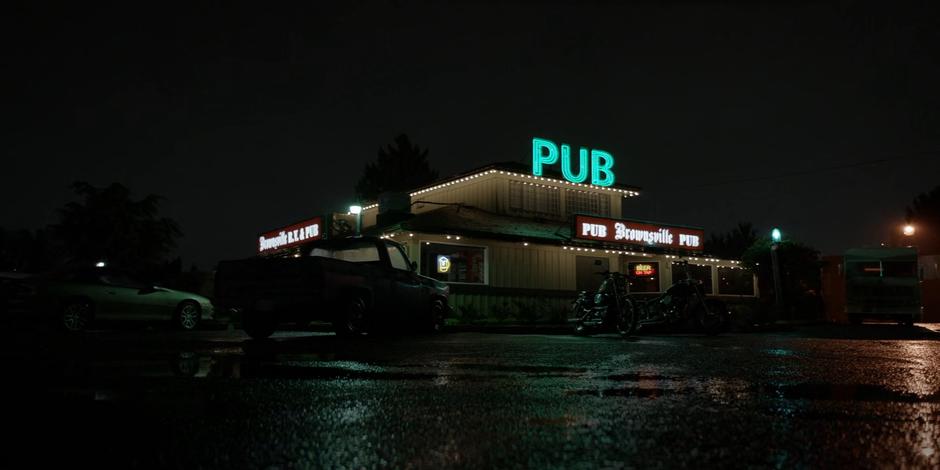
(481,192)
(368,217)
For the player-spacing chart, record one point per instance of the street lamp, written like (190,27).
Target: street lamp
(357,211)
(775,237)
(908,230)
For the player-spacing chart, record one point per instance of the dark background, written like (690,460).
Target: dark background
(821,118)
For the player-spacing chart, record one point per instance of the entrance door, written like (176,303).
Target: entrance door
(587,268)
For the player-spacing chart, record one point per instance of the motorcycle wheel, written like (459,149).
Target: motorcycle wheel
(577,312)
(580,329)
(712,321)
(626,321)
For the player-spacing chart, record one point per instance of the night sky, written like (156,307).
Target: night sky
(821,118)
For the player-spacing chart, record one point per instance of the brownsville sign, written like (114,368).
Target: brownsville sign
(633,232)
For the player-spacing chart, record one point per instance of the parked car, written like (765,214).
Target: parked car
(76,298)
(359,284)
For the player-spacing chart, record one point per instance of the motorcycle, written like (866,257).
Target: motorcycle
(684,306)
(608,309)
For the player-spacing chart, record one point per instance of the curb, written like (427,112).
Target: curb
(548,329)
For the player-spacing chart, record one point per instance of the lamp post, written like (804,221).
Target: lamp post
(357,211)
(909,231)
(775,237)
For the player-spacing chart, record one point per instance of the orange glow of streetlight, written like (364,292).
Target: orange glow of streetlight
(908,230)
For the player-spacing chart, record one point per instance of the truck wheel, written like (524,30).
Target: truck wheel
(258,325)
(436,317)
(351,317)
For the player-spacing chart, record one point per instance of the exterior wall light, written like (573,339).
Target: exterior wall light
(357,211)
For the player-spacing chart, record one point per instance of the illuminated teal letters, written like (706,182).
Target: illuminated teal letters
(566,164)
(545,152)
(538,159)
(601,162)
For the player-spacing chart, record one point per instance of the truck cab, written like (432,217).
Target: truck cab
(360,284)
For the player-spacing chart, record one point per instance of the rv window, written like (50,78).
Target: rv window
(864,269)
(900,269)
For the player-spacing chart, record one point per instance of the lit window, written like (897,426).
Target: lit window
(735,281)
(698,273)
(643,276)
(454,263)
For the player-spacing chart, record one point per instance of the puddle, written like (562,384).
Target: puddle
(182,364)
(306,372)
(635,392)
(845,392)
(638,377)
(524,369)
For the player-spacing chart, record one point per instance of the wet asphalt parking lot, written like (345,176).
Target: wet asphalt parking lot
(824,396)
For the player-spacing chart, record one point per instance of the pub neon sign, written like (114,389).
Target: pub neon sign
(643,269)
(545,152)
(635,232)
(291,235)
(443,264)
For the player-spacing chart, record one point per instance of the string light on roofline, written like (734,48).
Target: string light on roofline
(625,192)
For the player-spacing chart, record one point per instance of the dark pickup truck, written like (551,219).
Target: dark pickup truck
(361,285)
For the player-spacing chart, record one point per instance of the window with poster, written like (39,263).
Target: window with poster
(644,276)
(454,263)
(735,281)
(699,272)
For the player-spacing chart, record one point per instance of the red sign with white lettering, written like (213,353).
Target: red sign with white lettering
(292,235)
(631,232)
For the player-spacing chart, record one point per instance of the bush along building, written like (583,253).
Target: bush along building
(516,242)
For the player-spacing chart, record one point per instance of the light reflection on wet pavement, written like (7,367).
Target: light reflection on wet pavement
(824,396)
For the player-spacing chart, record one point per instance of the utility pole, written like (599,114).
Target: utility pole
(776,236)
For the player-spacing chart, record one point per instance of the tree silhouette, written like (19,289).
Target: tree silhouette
(799,275)
(732,244)
(26,250)
(925,208)
(399,167)
(109,225)
(924,213)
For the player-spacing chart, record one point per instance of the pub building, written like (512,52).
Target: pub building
(514,240)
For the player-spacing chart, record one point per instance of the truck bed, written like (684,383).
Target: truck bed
(286,285)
